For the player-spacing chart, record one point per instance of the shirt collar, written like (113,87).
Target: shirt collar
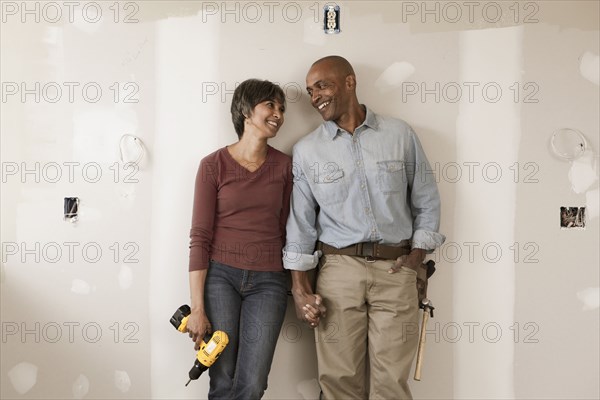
(332,129)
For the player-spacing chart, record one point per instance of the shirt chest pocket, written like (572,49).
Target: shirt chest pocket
(330,187)
(391,176)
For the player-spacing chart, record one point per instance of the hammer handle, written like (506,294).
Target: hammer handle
(421,349)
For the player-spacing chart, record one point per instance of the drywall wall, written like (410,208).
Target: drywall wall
(85,305)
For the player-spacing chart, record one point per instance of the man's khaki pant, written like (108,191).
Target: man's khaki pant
(368,339)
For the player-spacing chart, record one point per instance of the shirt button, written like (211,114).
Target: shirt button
(368,210)
(358,163)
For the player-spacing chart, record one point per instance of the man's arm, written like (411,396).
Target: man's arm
(309,306)
(425,202)
(299,255)
(425,205)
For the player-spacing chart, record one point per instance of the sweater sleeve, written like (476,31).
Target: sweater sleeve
(203,215)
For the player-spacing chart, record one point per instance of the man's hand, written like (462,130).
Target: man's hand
(412,261)
(309,307)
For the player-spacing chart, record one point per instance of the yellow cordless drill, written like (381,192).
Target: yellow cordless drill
(210,349)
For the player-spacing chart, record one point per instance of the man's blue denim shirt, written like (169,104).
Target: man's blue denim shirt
(373,186)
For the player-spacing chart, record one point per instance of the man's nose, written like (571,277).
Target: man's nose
(315,96)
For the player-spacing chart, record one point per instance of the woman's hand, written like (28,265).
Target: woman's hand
(198,326)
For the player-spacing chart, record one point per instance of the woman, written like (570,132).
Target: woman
(237,281)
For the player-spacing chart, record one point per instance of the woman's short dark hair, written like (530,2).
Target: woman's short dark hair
(247,95)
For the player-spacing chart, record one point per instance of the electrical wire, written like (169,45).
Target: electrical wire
(139,144)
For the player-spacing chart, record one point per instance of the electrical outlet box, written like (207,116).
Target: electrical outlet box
(331,19)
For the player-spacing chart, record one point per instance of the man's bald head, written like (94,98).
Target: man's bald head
(336,64)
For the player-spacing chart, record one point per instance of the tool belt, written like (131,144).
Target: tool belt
(368,250)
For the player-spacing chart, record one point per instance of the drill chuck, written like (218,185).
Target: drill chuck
(196,371)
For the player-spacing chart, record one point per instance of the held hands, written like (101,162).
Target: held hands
(198,326)
(412,261)
(309,308)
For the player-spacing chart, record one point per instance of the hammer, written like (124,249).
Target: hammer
(427,307)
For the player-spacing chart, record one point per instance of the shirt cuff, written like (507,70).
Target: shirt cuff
(427,240)
(300,262)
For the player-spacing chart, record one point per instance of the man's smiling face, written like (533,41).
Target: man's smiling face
(328,91)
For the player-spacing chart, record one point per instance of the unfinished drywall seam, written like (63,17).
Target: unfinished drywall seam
(488,136)
(187,57)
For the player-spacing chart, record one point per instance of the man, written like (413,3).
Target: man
(365,198)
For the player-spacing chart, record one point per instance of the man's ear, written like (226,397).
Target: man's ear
(351,82)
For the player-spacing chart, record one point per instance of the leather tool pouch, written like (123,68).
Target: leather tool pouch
(425,271)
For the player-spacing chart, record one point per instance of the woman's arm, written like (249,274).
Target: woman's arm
(201,234)
(198,324)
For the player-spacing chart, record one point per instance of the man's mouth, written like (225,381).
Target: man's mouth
(323,105)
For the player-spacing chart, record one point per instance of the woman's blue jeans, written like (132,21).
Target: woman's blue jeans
(250,307)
